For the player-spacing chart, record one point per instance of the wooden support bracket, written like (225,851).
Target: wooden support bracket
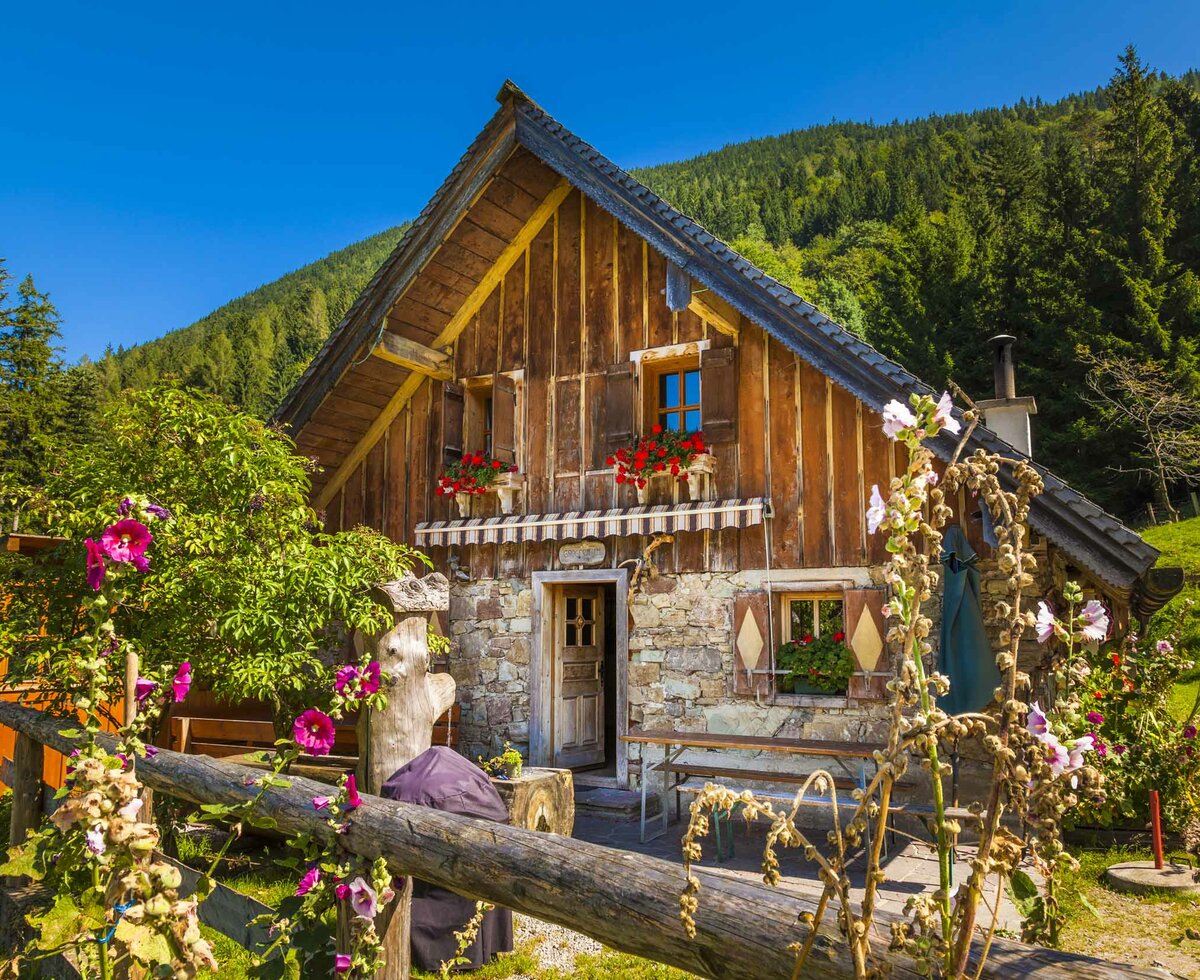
(416,357)
(710,307)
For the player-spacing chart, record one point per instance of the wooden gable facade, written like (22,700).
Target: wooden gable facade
(535,306)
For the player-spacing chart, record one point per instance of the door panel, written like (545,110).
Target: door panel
(579,676)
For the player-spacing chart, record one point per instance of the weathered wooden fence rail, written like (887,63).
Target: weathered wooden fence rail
(627,901)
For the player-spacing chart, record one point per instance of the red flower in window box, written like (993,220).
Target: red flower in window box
(665,451)
(474,473)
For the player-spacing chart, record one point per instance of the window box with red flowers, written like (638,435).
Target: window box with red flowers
(666,455)
(479,473)
(814,665)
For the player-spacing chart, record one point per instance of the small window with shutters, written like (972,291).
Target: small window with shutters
(481,415)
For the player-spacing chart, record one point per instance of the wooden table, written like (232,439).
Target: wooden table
(675,743)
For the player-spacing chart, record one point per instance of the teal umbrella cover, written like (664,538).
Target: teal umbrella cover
(965,652)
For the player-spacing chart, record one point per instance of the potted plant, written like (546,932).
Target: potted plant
(506,765)
(815,665)
(478,473)
(665,454)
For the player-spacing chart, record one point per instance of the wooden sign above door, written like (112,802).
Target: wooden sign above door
(582,553)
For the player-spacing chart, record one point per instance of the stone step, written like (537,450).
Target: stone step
(606,803)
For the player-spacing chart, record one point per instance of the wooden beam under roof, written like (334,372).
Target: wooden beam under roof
(709,306)
(492,278)
(416,357)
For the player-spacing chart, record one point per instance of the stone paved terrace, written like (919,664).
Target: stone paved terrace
(911,868)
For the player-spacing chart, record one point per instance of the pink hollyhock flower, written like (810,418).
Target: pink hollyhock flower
(341,891)
(1036,721)
(182,682)
(126,540)
(309,881)
(342,963)
(363,899)
(320,802)
(353,800)
(1164,647)
(141,563)
(943,417)
(143,688)
(1056,754)
(877,512)
(1086,743)
(1095,621)
(314,732)
(1101,748)
(95,839)
(1046,625)
(897,416)
(346,676)
(1094,718)
(369,681)
(95,564)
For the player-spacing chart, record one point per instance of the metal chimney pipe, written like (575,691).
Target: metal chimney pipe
(1003,369)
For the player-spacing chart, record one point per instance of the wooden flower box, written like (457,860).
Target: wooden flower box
(506,488)
(700,482)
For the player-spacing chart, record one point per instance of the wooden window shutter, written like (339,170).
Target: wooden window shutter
(504,419)
(866,634)
(752,645)
(620,398)
(719,394)
(453,407)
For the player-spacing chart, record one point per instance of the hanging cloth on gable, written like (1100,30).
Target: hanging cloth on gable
(965,652)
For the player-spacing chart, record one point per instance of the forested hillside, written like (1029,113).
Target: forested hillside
(1066,224)
(252,349)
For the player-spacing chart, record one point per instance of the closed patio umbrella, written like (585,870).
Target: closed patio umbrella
(965,653)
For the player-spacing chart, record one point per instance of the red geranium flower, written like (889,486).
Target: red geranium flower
(656,428)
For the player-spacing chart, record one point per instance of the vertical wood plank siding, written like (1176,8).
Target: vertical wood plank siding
(584,295)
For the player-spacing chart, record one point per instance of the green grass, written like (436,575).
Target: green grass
(1141,929)
(1180,546)
(1179,543)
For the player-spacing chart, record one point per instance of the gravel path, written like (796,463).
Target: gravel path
(557,947)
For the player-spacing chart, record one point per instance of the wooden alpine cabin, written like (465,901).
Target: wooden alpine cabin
(543,312)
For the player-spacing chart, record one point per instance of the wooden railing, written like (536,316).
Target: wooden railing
(628,901)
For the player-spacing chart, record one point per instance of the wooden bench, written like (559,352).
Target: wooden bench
(224,737)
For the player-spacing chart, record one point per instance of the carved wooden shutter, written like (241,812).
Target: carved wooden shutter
(504,419)
(866,633)
(752,644)
(453,405)
(719,394)
(621,396)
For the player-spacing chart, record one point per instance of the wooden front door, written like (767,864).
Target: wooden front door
(579,676)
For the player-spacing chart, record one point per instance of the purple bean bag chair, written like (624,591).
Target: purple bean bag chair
(442,779)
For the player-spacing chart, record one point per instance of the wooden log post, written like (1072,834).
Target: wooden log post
(625,900)
(390,738)
(28,757)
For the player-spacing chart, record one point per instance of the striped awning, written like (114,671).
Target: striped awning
(697,515)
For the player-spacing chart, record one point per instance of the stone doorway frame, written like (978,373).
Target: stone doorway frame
(541,661)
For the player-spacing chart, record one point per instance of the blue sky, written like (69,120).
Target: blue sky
(159,160)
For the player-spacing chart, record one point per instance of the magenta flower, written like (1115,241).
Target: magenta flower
(314,732)
(125,506)
(1046,624)
(897,416)
(346,676)
(877,512)
(126,540)
(1189,732)
(342,962)
(942,414)
(1101,748)
(160,512)
(95,564)
(368,682)
(1094,619)
(363,899)
(151,751)
(1095,718)
(353,800)
(320,802)
(1164,647)
(143,688)
(1119,749)
(141,563)
(309,881)
(1036,721)
(341,890)
(182,682)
